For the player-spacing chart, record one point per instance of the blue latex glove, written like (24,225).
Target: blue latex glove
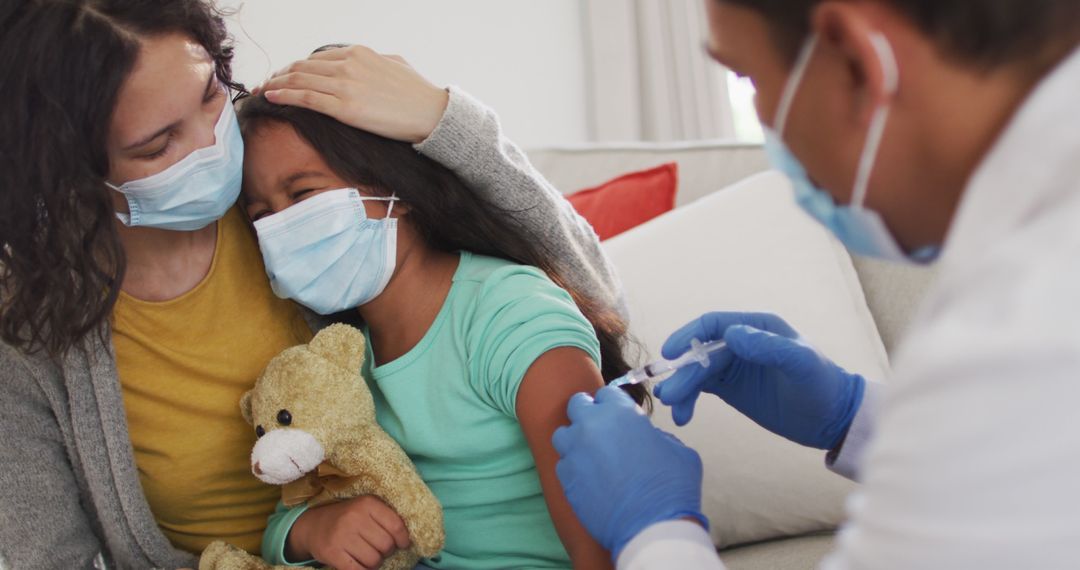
(769,374)
(620,473)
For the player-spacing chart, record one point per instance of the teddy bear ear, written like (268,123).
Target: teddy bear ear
(341,344)
(245,406)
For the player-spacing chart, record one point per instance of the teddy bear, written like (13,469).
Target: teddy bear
(314,417)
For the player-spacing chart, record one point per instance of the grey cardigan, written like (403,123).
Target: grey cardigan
(70,495)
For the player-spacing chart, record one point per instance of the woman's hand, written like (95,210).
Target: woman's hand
(358,533)
(363,89)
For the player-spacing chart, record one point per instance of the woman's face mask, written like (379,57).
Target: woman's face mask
(195,192)
(175,151)
(860,229)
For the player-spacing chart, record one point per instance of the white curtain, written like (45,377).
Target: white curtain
(649,76)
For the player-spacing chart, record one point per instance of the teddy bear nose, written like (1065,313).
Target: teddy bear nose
(255,469)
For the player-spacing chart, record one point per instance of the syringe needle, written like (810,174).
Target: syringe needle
(698,354)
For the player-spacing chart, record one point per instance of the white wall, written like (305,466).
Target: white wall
(522,57)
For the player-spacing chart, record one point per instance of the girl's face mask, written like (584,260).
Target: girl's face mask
(325,253)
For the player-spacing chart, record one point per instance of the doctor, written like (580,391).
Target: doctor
(925,123)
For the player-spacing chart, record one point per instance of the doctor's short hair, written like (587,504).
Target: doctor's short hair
(986,34)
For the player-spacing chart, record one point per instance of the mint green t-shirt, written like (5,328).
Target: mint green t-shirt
(451,403)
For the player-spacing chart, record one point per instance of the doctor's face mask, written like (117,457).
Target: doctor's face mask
(859,228)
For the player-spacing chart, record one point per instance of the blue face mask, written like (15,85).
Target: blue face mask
(195,192)
(325,253)
(860,229)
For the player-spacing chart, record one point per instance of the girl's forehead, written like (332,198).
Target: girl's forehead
(276,146)
(275,157)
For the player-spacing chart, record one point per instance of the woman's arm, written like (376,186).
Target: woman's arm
(384,95)
(469,141)
(541,409)
(42,523)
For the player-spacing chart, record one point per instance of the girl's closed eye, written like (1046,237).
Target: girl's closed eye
(258,215)
(301,195)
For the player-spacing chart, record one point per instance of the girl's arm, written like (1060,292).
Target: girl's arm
(384,95)
(541,408)
(360,531)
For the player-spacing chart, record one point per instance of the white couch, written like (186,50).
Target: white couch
(741,244)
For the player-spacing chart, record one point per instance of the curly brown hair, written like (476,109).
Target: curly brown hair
(61,259)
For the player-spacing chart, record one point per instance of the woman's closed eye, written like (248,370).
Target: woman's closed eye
(156,154)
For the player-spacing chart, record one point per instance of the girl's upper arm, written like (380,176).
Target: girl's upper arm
(541,408)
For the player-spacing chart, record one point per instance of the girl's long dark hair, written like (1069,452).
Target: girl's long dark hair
(447,214)
(62,64)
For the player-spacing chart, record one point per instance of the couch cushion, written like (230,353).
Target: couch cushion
(796,553)
(894,291)
(629,200)
(750,248)
(703,166)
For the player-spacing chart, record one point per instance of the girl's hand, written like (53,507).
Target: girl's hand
(358,533)
(363,89)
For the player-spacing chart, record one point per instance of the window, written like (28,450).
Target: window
(747,126)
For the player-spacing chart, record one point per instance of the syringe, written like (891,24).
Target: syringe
(699,353)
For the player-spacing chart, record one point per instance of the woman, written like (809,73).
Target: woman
(134,308)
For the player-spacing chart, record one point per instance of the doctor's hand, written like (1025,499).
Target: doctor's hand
(620,473)
(377,93)
(769,374)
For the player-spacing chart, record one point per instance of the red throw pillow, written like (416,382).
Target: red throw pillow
(629,200)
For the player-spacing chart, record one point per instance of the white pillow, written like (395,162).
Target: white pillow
(750,248)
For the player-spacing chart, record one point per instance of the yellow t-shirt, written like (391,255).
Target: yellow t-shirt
(183,366)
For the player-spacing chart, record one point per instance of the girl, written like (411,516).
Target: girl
(474,348)
(134,307)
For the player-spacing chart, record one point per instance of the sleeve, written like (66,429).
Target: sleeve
(42,521)
(976,459)
(520,316)
(672,544)
(469,141)
(277,531)
(846,459)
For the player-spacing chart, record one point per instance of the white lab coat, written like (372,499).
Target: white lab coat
(975,459)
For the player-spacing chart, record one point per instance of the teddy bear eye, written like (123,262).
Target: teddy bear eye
(259,431)
(284,417)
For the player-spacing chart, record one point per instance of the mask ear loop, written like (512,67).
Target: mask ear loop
(791,88)
(876,134)
(393,200)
